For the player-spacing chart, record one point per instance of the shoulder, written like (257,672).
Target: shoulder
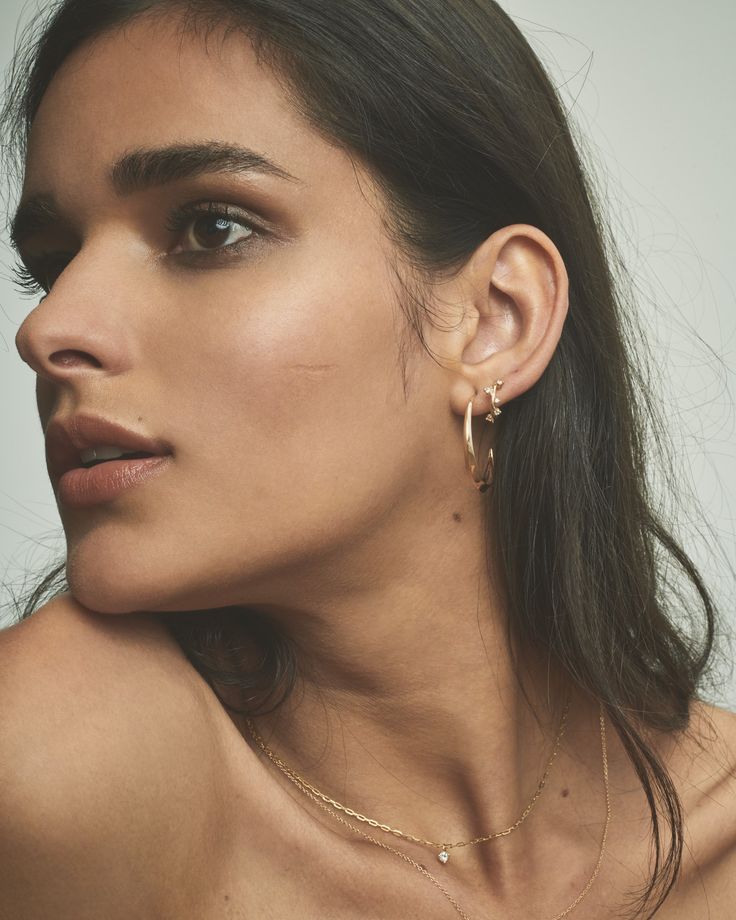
(70,673)
(702,764)
(106,764)
(704,760)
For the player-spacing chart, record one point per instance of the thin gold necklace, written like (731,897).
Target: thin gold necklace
(443,854)
(306,789)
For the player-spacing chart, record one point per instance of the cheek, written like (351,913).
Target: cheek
(286,369)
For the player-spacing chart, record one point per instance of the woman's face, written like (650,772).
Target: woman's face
(263,348)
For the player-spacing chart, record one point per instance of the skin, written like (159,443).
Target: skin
(305,483)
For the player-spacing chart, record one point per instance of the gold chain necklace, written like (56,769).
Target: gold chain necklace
(292,775)
(443,855)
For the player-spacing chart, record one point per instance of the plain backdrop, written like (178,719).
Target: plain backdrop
(651,86)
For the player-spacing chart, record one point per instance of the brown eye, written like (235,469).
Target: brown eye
(211,227)
(212,232)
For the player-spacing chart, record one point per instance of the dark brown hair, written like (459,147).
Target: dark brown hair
(464,132)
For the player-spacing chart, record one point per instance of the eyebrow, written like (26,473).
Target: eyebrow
(141,169)
(144,168)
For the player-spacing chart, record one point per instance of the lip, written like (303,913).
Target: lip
(65,438)
(82,488)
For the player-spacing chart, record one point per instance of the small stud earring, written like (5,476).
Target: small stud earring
(494,400)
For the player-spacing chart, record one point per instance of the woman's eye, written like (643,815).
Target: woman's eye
(204,228)
(213,232)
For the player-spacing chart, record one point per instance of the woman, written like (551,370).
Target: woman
(378,624)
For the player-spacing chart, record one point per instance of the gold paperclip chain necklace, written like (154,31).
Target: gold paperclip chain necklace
(443,855)
(315,795)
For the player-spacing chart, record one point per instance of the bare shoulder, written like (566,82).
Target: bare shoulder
(705,761)
(70,670)
(703,767)
(106,766)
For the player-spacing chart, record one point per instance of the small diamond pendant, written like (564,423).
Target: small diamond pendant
(443,856)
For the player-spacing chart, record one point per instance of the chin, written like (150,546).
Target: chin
(104,595)
(111,580)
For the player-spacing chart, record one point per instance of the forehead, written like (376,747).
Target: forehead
(148,84)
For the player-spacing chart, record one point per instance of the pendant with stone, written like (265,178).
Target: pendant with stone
(443,856)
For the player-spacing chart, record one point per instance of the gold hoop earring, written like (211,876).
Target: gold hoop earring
(482,482)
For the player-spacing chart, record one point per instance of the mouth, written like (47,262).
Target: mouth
(83,442)
(94,456)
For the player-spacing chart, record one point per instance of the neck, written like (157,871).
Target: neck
(409,711)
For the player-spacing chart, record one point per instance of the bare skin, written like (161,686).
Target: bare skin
(305,483)
(131,793)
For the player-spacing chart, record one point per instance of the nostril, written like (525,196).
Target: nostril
(70,358)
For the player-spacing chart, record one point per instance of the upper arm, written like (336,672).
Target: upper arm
(105,760)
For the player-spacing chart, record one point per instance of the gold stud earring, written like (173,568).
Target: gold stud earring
(494,400)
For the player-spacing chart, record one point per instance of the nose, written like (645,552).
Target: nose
(39,352)
(72,331)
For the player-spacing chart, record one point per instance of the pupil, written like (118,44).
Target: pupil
(217,230)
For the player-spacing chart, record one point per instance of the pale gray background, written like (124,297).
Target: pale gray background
(651,85)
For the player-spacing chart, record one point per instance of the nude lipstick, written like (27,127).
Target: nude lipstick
(126,459)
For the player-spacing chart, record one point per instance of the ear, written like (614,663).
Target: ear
(513,297)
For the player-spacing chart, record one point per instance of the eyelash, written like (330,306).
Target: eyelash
(28,280)
(25,280)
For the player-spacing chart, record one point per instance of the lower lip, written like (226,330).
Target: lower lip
(82,488)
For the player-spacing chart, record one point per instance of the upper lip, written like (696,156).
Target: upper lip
(65,438)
